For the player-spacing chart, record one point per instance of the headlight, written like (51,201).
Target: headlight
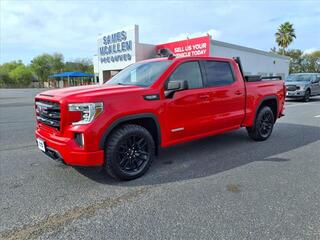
(89,111)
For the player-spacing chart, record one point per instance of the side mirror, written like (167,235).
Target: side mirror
(174,86)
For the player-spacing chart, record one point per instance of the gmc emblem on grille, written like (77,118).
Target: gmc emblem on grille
(42,109)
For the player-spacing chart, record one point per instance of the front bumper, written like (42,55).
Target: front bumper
(295,94)
(65,150)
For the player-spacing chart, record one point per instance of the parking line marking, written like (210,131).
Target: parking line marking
(318,116)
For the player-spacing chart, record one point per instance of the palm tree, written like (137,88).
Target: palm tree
(285,35)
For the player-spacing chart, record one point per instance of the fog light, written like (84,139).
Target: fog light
(79,137)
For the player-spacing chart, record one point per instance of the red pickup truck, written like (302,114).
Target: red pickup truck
(150,104)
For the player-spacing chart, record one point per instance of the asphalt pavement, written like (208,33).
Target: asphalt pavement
(221,187)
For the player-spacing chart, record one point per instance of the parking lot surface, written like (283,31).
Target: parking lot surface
(221,187)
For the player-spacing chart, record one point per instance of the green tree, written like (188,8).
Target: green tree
(8,67)
(22,75)
(5,80)
(57,62)
(5,69)
(42,66)
(296,59)
(81,65)
(300,62)
(311,62)
(285,35)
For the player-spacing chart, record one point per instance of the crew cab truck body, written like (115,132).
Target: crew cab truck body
(151,104)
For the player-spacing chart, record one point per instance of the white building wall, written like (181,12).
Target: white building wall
(116,50)
(253,61)
(145,51)
(95,62)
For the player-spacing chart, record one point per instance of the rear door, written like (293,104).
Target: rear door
(188,112)
(227,94)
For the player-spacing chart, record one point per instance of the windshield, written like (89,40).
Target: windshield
(300,78)
(140,74)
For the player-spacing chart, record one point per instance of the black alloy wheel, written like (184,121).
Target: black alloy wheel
(263,125)
(266,123)
(133,153)
(129,152)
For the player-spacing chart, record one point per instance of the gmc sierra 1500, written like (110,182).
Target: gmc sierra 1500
(154,103)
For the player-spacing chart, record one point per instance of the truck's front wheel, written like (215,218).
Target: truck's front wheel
(263,125)
(129,152)
(306,96)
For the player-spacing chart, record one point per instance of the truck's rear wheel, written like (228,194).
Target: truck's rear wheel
(263,125)
(129,152)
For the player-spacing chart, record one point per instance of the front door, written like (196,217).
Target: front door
(315,84)
(187,111)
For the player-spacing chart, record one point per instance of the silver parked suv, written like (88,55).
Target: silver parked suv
(303,85)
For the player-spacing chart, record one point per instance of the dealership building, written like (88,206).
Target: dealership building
(120,48)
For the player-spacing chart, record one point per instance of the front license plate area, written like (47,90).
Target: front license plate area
(41,145)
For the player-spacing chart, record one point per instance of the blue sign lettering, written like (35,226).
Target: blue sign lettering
(115,48)
(117,58)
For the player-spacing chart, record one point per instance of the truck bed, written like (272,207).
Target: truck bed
(258,90)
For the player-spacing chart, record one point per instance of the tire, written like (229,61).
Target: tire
(307,95)
(129,152)
(263,125)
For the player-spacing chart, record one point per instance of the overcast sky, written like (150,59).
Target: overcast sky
(29,28)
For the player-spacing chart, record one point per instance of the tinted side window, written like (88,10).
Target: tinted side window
(218,73)
(189,71)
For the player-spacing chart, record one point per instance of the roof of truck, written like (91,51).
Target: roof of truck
(185,58)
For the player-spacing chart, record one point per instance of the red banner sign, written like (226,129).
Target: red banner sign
(193,47)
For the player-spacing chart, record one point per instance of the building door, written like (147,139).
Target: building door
(106,75)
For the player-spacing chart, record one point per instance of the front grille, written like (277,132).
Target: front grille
(48,113)
(291,88)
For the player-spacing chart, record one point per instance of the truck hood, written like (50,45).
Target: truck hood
(297,83)
(92,90)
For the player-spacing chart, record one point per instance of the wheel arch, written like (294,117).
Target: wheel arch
(147,120)
(309,89)
(270,101)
